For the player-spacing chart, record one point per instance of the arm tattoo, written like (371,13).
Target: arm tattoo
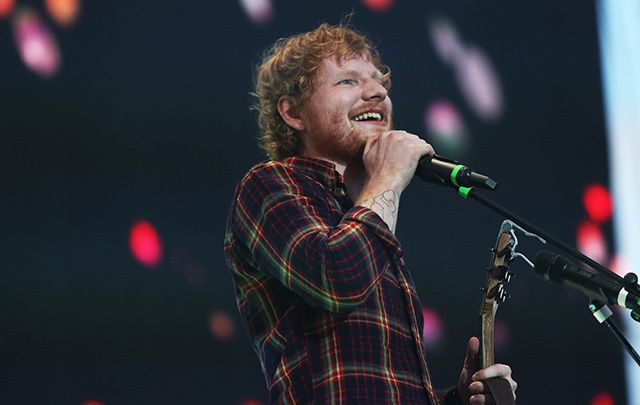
(386,201)
(385,204)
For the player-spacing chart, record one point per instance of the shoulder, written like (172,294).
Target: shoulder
(272,181)
(263,187)
(267,177)
(268,170)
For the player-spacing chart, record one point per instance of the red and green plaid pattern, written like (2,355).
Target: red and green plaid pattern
(323,291)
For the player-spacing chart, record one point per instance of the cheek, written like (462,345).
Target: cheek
(335,117)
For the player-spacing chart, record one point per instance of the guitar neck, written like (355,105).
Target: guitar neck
(494,294)
(487,338)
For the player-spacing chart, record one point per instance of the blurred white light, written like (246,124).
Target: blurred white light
(479,84)
(445,39)
(258,11)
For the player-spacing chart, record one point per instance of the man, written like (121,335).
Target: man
(319,276)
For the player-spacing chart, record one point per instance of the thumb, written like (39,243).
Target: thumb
(472,361)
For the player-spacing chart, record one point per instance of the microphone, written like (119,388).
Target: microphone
(557,269)
(447,172)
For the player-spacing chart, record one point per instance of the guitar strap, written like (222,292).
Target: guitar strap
(501,391)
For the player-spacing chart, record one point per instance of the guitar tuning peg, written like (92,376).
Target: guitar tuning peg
(508,276)
(502,295)
(492,250)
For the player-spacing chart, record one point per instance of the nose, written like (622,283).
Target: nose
(374,90)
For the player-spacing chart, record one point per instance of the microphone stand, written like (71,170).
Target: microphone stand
(603,313)
(630,281)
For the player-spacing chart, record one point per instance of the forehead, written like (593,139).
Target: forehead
(334,66)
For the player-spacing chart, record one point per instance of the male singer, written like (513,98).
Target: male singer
(319,276)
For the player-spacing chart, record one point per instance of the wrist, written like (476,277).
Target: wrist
(383,202)
(372,189)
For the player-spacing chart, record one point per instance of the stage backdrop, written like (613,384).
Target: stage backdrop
(126,126)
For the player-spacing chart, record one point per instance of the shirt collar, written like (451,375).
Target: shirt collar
(318,169)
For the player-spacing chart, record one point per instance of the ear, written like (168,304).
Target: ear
(290,114)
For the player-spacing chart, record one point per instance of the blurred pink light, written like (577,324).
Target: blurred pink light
(479,84)
(502,335)
(442,117)
(446,130)
(145,244)
(6,7)
(92,402)
(597,202)
(221,325)
(445,39)
(36,44)
(433,330)
(258,11)
(379,6)
(64,12)
(619,266)
(602,398)
(591,241)
(250,401)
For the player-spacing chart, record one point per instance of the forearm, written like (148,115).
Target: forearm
(383,200)
(333,267)
(330,264)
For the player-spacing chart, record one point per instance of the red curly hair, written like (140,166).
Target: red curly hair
(289,69)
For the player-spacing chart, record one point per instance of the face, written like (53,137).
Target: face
(348,105)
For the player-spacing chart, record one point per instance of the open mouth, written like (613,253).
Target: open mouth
(374,116)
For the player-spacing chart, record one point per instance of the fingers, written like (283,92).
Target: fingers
(403,141)
(390,158)
(496,370)
(481,390)
(481,399)
(370,143)
(481,394)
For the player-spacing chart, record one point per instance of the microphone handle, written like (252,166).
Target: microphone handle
(561,270)
(438,170)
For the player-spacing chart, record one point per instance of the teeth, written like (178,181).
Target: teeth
(368,115)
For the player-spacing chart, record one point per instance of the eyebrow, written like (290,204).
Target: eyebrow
(376,75)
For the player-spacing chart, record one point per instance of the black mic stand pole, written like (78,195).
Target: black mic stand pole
(603,313)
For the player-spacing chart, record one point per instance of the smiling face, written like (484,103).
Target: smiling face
(348,104)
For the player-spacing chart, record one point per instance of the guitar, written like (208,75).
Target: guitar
(494,293)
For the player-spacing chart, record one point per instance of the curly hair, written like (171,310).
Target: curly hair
(289,68)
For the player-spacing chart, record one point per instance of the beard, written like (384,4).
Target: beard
(340,139)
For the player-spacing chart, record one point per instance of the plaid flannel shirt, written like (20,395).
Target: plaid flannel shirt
(323,291)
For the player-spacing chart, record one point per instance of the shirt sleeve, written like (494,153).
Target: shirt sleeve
(288,233)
